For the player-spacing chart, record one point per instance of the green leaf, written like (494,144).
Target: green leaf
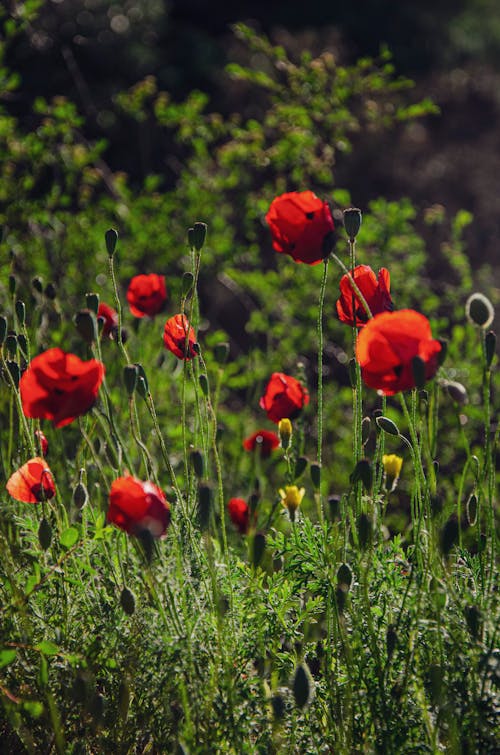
(7,656)
(69,537)
(47,648)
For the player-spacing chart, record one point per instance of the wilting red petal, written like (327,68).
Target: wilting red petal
(376,292)
(262,440)
(284,397)
(176,331)
(135,505)
(147,294)
(60,386)
(32,483)
(387,345)
(110,317)
(302,226)
(239,513)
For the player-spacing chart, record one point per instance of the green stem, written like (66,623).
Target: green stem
(320,378)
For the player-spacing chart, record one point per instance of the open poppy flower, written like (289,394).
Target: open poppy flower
(176,331)
(375,291)
(135,505)
(239,513)
(60,386)
(284,397)
(302,226)
(263,440)
(32,483)
(147,294)
(387,346)
(110,317)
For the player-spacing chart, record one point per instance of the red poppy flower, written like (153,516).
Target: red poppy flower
(302,226)
(263,440)
(147,294)
(135,505)
(284,397)
(110,318)
(60,386)
(174,337)
(239,513)
(388,344)
(32,483)
(375,291)
(44,443)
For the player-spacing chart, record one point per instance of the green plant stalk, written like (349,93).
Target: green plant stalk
(489,471)
(320,381)
(118,303)
(30,440)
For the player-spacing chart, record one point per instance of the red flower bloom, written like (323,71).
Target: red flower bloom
(147,294)
(174,337)
(32,483)
(302,226)
(110,318)
(375,291)
(239,513)
(60,386)
(44,443)
(387,345)
(135,505)
(264,440)
(284,397)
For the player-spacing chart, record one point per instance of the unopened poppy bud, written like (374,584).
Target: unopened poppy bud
(92,302)
(15,372)
(198,463)
(37,284)
(205,504)
(391,640)
(278,706)
(197,235)
(11,344)
(315,472)
(471,509)
(50,291)
(490,343)
(334,507)
(457,392)
(142,381)
(365,430)
(12,284)
(22,342)
(127,601)
(21,312)
(352,222)
(344,576)
(387,425)
(187,283)
(300,466)
(86,325)
(303,686)
(285,432)
(363,473)
(203,380)
(44,534)
(258,548)
(3,329)
(365,530)
(479,310)
(130,376)
(221,352)
(392,464)
(111,237)
(80,495)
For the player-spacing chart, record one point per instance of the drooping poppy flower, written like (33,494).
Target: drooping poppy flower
(147,294)
(302,226)
(110,317)
(175,334)
(239,513)
(375,291)
(387,346)
(32,483)
(264,441)
(284,397)
(44,443)
(60,386)
(135,505)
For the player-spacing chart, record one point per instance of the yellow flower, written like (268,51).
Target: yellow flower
(285,432)
(291,498)
(392,465)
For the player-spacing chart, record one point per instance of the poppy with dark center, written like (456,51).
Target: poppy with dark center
(179,337)
(263,441)
(32,483)
(147,294)
(110,319)
(302,226)
(375,290)
(393,347)
(60,386)
(284,397)
(239,513)
(135,506)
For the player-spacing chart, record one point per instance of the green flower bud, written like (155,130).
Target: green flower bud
(387,425)
(92,302)
(303,686)
(479,310)
(86,325)
(21,312)
(352,222)
(111,237)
